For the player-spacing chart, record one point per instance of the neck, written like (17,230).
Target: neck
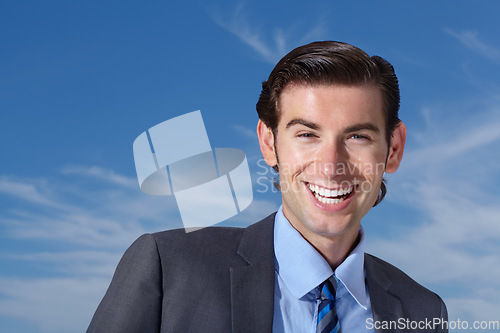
(336,251)
(334,248)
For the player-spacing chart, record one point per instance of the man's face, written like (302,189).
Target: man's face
(331,151)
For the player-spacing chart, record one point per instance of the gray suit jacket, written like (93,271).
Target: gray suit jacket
(222,280)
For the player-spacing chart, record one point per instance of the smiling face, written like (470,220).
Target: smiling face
(331,150)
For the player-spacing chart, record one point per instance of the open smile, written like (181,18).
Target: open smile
(330,196)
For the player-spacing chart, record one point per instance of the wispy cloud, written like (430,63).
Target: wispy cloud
(471,40)
(27,190)
(101,173)
(280,40)
(52,304)
(245,131)
(472,138)
(76,227)
(88,223)
(82,212)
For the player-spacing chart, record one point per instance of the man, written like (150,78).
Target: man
(329,125)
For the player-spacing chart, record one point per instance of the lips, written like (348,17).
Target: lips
(330,196)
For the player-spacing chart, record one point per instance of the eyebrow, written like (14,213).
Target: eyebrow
(300,121)
(350,129)
(362,126)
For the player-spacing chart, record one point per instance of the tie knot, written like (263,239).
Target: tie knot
(328,288)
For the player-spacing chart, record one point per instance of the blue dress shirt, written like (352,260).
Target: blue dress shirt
(299,269)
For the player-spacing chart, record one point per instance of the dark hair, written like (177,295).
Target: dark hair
(331,62)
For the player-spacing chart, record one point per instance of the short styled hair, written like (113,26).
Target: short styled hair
(326,63)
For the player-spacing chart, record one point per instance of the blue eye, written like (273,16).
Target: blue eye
(360,137)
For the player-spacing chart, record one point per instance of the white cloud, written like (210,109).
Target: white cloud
(470,39)
(463,142)
(76,229)
(82,263)
(53,305)
(28,190)
(86,213)
(479,309)
(101,173)
(89,224)
(270,49)
(249,133)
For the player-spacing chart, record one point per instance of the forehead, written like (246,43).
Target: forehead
(332,104)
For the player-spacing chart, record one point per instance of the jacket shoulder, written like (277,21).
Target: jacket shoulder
(418,302)
(214,245)
(394,277)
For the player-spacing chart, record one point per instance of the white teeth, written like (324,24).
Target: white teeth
(328,200)
(327,196)
(321,191)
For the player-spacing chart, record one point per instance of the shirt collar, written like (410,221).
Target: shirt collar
(302,268)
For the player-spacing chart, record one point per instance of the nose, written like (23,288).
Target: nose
(331,159)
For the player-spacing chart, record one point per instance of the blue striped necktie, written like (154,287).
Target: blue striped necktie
(328,322)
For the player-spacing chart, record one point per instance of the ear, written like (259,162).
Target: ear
(266,142)
(396,148)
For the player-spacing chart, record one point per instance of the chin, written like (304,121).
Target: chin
(328,226)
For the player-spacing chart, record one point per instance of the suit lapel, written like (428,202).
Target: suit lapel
(252,282)
(385,306)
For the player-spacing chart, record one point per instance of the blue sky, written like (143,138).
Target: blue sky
(80,80)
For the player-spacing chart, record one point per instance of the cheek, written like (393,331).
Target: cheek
(372,163)
(292,161)
(373,169)
(372,177)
